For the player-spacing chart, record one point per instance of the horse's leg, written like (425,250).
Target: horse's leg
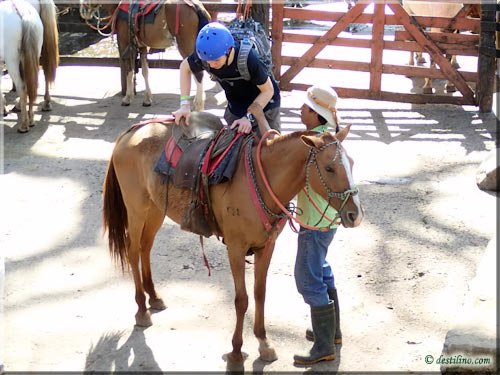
(262,260)
(145,73)
(454,62)
(420,58)
(153,224)
(2,105)
(31,115)
(47,102)
(15,75)
(199,99)
(128,66)
(237,262)
(449,86)
(25,122)
(135,229)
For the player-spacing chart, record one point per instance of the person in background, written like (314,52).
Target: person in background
(216,52)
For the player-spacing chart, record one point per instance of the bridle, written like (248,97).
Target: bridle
(313,152)
(343,196)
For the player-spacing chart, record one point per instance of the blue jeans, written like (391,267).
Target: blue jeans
(313,274)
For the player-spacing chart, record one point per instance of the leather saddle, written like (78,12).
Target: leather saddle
(193,140)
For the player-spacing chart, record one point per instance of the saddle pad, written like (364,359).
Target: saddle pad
(146,12)
(143,7)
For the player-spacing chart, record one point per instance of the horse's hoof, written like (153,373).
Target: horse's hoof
(146,104)
(451,89)
(22,130)
(268,355)
(235,361)
(46,107)
(143,320)
(15,109)
(157,304)
(429,91)
(125,104)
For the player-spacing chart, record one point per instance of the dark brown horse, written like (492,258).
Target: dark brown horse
(136,202)
(174,19)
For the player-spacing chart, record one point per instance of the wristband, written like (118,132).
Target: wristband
(185,102)
(185,97)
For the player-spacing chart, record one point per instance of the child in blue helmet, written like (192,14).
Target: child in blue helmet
(216,52)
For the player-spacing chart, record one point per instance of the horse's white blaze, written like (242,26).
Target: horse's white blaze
(350,178)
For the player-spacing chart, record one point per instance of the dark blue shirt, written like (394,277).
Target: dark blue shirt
(239,93)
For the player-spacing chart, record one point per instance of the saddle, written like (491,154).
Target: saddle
(193,141)
(196,156)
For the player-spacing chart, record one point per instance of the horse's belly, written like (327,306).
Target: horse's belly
(435,9)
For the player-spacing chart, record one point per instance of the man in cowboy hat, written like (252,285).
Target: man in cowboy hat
(313,275)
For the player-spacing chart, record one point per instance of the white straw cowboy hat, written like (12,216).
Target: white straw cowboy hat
(323,100)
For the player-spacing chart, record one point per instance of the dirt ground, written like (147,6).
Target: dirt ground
(402,275)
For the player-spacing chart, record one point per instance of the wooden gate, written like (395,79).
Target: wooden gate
(409,34)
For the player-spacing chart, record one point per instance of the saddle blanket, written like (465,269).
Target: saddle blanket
(145,9)
(218,166)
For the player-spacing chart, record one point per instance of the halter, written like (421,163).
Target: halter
(344,195)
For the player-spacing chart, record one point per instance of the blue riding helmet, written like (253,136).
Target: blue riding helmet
(213,41)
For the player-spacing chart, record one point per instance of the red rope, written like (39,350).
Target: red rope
(271,192)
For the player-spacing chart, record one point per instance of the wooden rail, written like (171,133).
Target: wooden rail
(412,38)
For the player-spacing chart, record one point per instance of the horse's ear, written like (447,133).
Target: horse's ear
(342,134)
(312,141)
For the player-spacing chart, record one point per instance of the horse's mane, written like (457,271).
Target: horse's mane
(290,136)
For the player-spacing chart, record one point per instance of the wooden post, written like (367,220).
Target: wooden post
(487,54)
(277,37)
(377,49)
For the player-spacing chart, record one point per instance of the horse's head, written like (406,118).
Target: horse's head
(329,173)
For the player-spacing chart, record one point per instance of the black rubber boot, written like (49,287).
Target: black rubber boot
(323,323)
(338,333)
(332,294)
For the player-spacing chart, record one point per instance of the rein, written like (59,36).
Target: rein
(97,15)
(344,196)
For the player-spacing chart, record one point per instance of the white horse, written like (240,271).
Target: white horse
(434,9)
(50,49)
(20,49)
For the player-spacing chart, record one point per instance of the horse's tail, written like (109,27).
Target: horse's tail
(203,15)
(29,58)
(114,215)
(50,50)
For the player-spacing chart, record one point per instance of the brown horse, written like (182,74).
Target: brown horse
(136,203)
(173,19)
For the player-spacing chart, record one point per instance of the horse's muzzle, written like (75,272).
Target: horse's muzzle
(351,218)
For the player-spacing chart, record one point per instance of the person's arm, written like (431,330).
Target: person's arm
(258,113)
(185,102)
(266,93)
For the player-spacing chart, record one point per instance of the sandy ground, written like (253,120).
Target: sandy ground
(402,275)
